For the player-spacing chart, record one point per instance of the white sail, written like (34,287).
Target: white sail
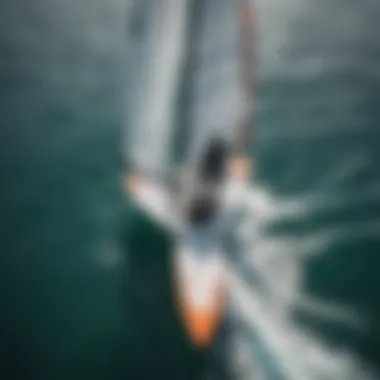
(157,52)
(217,99)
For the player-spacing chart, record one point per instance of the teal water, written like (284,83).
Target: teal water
(61,266)
(318,144)
(85,290)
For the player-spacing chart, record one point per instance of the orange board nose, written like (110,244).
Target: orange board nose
(202,322)
(201,326)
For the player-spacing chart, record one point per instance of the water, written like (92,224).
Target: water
(317,155)
(62,269)
(75,304)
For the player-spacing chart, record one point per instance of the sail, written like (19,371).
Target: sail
(156,38)
(194,56)
(219,75)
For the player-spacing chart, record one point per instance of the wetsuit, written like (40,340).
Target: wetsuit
(211,174)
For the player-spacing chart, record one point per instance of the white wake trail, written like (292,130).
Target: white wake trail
(266,309)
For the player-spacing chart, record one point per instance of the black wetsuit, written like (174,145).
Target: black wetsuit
(211,173)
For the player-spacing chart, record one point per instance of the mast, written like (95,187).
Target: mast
(247,42)
(247,32)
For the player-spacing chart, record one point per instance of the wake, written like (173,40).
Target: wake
(265,286)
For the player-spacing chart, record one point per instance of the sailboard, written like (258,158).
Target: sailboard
(209,77)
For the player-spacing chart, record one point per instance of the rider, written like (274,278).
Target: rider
(211,174)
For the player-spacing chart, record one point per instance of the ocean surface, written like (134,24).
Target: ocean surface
(85,288)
